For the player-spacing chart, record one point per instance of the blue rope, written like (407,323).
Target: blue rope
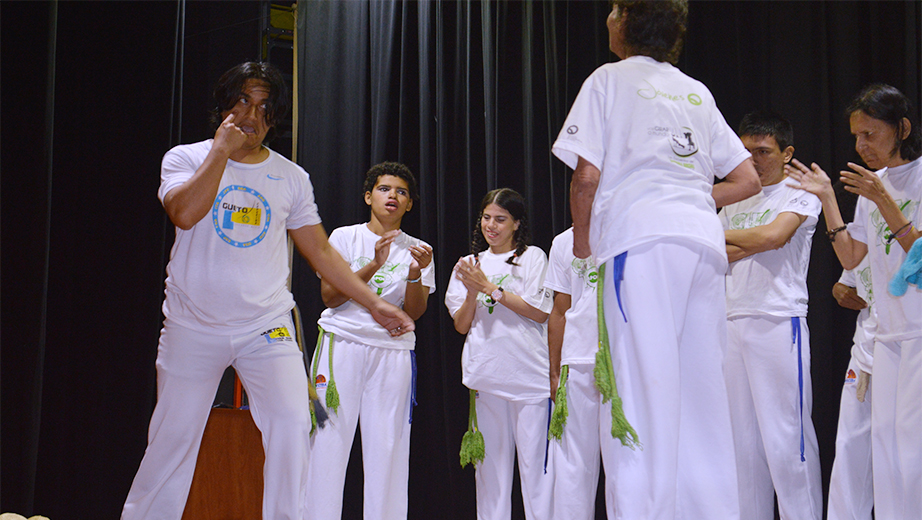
(796,338)
(412,384)
(617,275)
(547,442)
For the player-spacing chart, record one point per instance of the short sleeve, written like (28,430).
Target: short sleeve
(534,294)
(727,150)
(856,228)
(803,203)
(558,275)
(343,241)
(456,293)
(303,209)
(428,273)
(583,131)
(177,167)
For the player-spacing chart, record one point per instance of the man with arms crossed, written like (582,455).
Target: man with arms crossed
(768,357)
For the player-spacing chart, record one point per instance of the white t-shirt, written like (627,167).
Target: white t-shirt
(578,278)
(350,320)
(228,274)
(898,318)
(866,325)
(506,354)
(772,282)
(658,139)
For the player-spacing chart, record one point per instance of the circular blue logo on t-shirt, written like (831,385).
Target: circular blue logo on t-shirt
(241,216)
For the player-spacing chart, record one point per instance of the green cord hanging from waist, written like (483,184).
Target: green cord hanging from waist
(472,446)
(604,372)
(561,412)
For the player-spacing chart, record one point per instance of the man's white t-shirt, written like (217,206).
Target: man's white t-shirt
(898,317)
(772,282)
(659,141)
(578,278)
(228,274)
(350,320)
(506,354)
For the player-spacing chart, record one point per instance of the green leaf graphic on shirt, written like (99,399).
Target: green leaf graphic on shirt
(907,208)
(384,277)
(749,220)
(485,299)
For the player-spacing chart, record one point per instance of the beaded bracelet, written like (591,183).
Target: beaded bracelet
(833,232)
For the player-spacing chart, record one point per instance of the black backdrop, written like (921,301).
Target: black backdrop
(468,94)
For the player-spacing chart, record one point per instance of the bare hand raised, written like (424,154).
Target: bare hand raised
(422,256)
(863,182)
(229,138)
(812,180)
(383,246)
(470,274)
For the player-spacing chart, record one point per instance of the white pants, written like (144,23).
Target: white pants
(668,360)
(770,406)
(896,429)
(511,427)
(189,367)
(577,457)
(374,390)
(851,488)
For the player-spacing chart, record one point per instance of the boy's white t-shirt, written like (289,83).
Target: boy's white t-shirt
(228,274)
(772,282)
(578,278)
(658,140)
(898,318)
(506,354)
(350,320)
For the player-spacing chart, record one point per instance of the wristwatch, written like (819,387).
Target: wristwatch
(497,294)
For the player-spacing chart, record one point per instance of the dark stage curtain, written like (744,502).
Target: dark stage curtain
(471,95)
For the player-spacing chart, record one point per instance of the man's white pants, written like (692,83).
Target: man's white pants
(374,384)
(896,429)
(511,427)
(851,488)
(189,368)
(668,360)
(771,403)
(577,458)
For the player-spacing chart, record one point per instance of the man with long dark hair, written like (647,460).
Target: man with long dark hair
(235,202)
